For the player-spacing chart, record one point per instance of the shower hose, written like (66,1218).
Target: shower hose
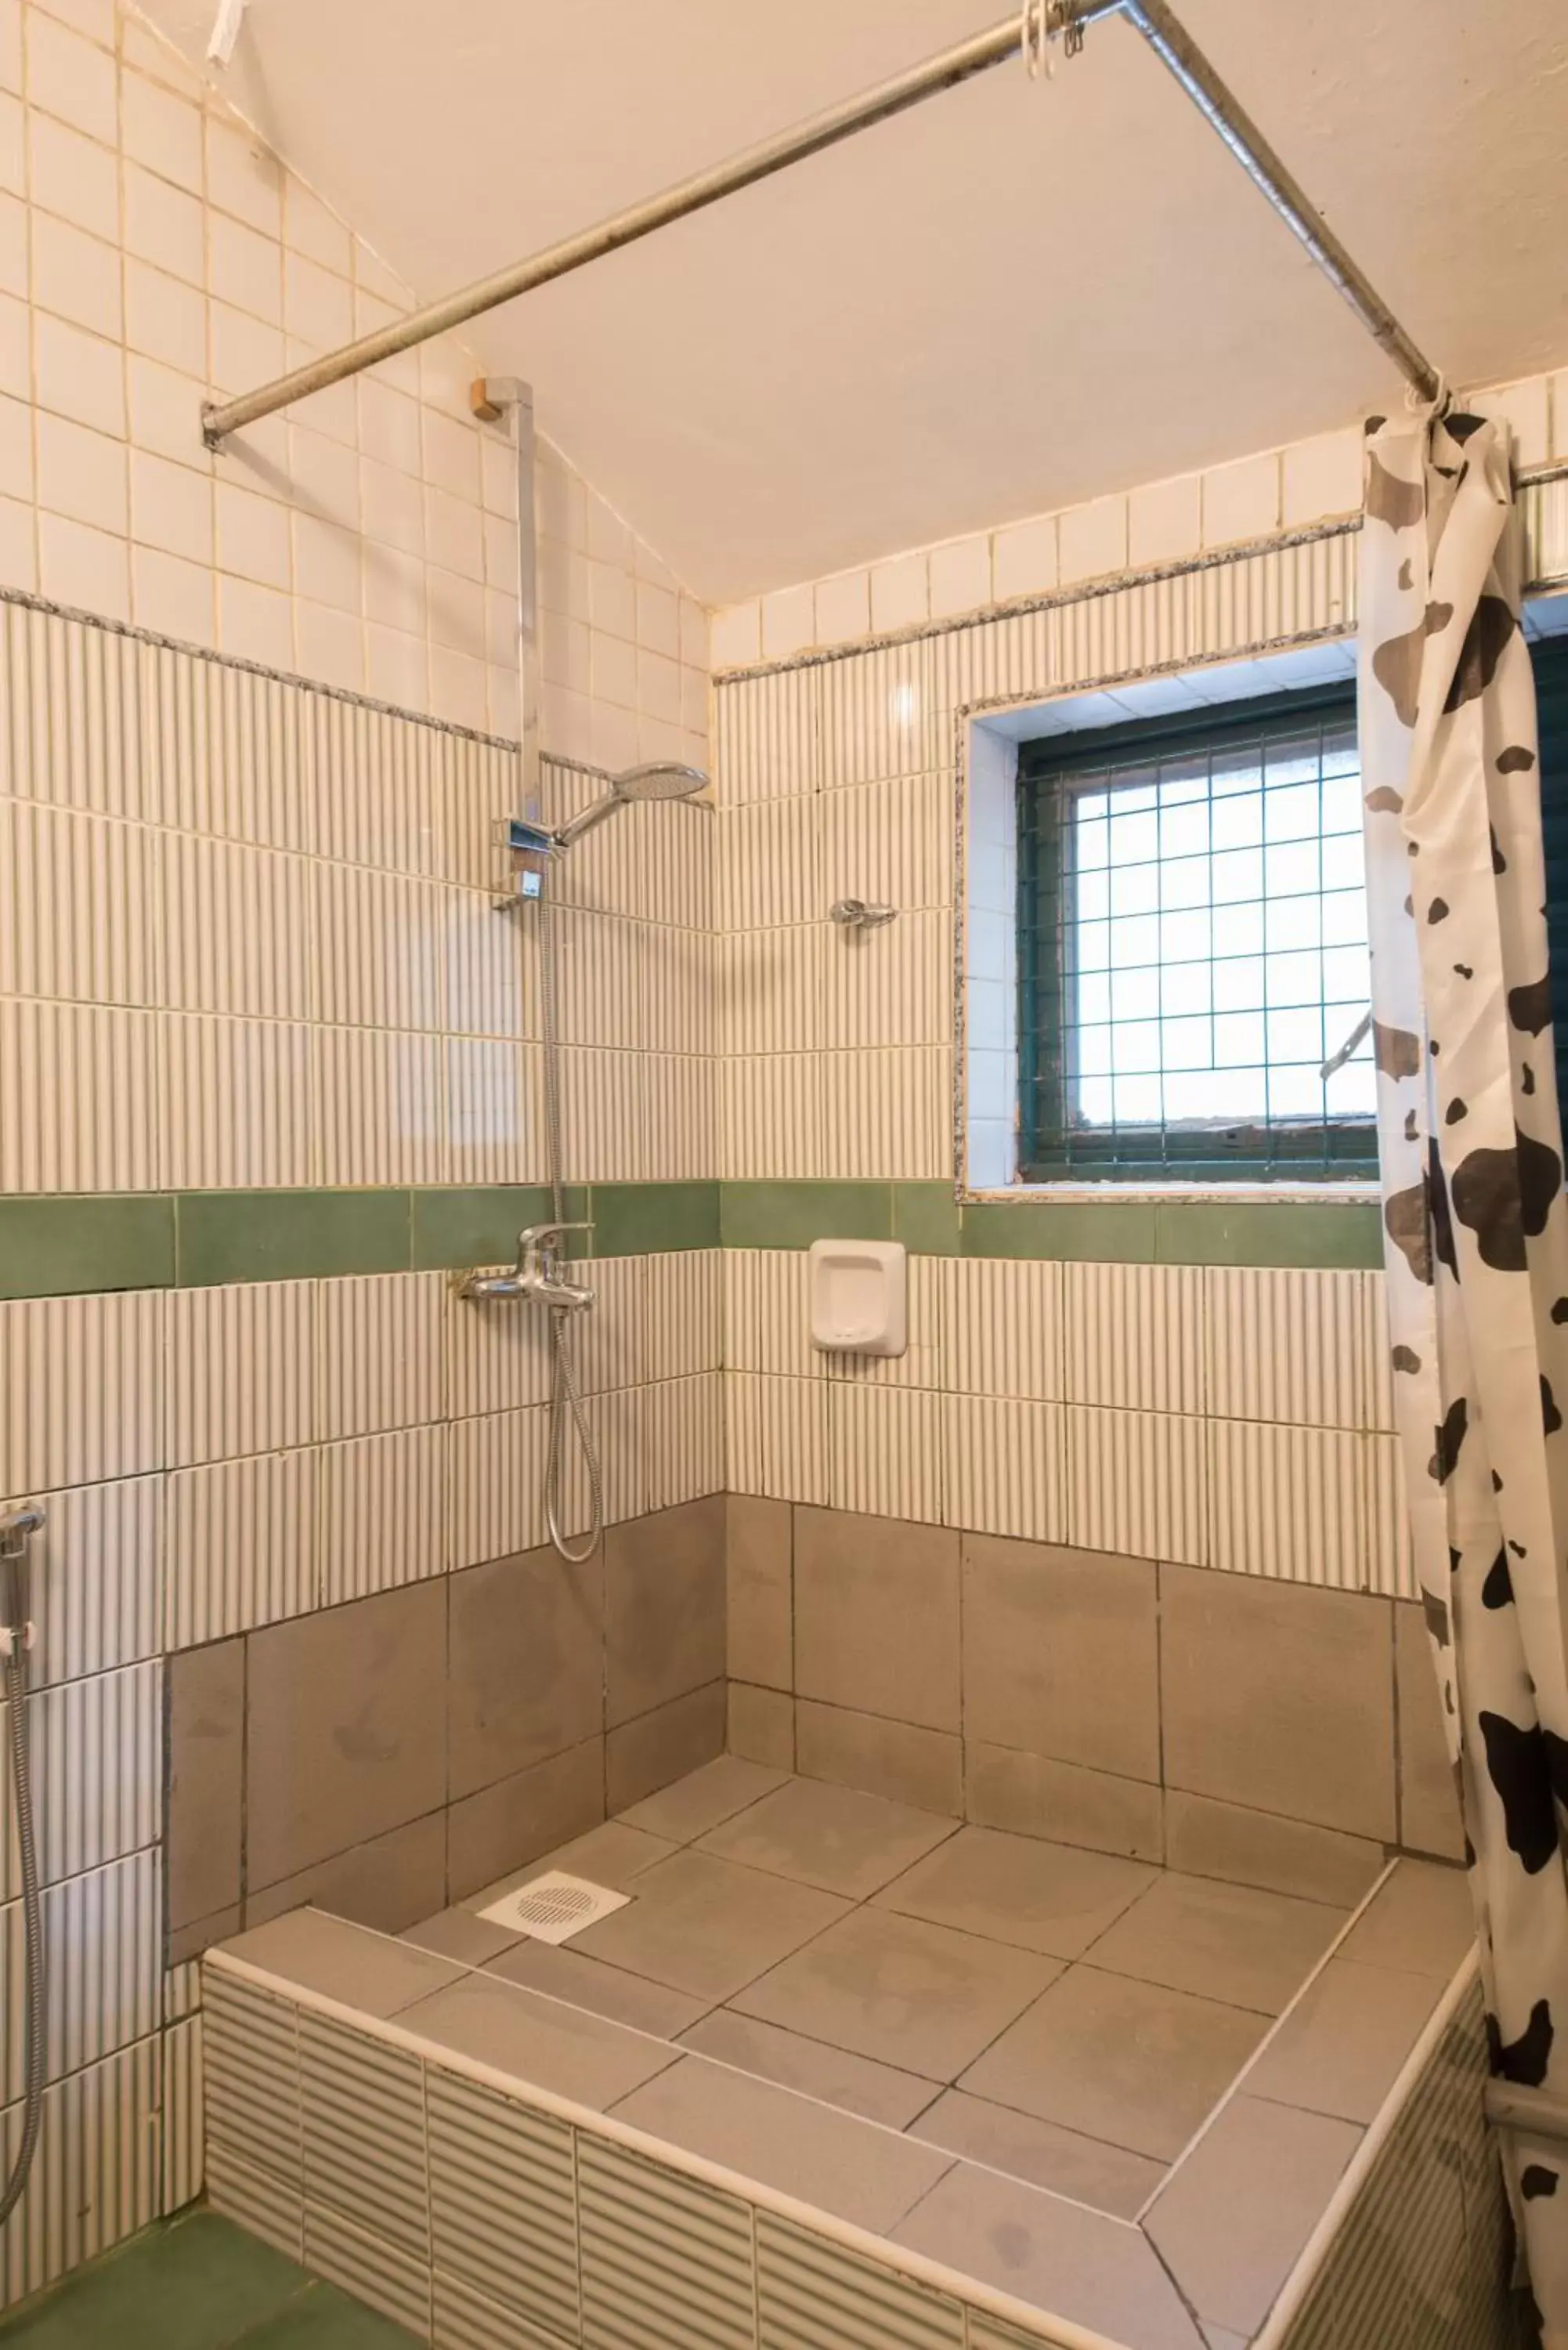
(33,1921)
(566,1413)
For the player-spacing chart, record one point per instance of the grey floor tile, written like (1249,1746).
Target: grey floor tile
(1422,1921)
(1132,2062)
(831,1836)
(540,2040)
(707,1928)
(612,1855)
(632,2000)
(345,1962)
(1229,1943)
(1219,2337)
(1108,2177)
(905,1993)
(1074,2263)
(688,1809)
(1340,2050)
(459,1934)
(880,2093)
(863,2174)
(1234,2215)
(1050,1897)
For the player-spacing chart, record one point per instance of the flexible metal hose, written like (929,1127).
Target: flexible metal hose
(565,1403)
(36,2017)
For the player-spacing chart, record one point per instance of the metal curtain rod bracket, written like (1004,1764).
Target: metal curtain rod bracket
(1011,38)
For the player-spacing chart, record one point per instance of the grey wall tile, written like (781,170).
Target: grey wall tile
(877,1615)
(508,1825)
(526,1677)
(1035,1796)
(759,1536)
(1205,1838)
(346,1716)
(761,1726)
(1281,1696)
(664,1607)
(1430,1817)
(896,1759)
(1061,1654)
(644,1755)
(189,1941)
(387,1883)
(206,1761)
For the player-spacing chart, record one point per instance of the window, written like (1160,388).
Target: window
(1192,948)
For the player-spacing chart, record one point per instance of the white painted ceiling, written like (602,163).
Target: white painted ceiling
(1017,296)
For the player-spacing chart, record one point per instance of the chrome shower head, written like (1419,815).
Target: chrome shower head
(661,780)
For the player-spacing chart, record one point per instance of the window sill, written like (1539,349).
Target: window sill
(1293,1195)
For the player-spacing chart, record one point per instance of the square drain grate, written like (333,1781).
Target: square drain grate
(552,1908)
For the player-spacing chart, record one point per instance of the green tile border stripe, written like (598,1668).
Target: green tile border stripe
(59,1246)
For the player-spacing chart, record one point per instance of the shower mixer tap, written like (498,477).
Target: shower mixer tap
(537,1273)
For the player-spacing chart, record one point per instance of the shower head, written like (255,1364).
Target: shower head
(662,780)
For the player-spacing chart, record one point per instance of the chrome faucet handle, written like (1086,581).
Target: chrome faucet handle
(535,1233)
(17,1529)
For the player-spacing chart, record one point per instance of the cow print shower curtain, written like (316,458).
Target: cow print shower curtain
(1476,1224)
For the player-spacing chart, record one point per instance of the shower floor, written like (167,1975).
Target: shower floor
(1106,2090)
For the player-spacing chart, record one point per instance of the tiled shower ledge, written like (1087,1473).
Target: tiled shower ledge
(666,2059)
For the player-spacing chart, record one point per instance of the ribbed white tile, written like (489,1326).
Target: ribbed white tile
(683,1302)
(182,1990)
(885,1451)
(497,1354)
(80,1086)
(241,1369)
(1545,509)
(775,1436)
(1290,1345)
(375,786)
(1134,1336)
(242,1546)
(71,715)
(602,1098)
(675,979)
(879,715)
(680,1118)
(80,906)
(1004,1467)
(241,1110)
(362,2111)
(502,2204)
(227,750)
(1291,1503)
(496,1469)
(493,1113)
(769,735)
(383,1513)
(771,1120)
(1390,1561)
(618,1429)
(1002,1328)
(921,1364)
(468,785)
(466,2320)
(888,986)
(80,1395)
(184,2151)
(600,980)
(95,2179)
(812,2291)
(380,1343)
(772,986)
(378,938)
(238,933)
(489,964)
(887,1113)
(666,2262)
(370,2269)
(381,1099)
(1378,1384)
(890,843)
(609,1337)
(98,1764)
(1138,1483)
(770,864)
(1004,660)
(251,2061)
(767,1312)
(97,1578)
(256,2201)
(102,1940)
(684,1438)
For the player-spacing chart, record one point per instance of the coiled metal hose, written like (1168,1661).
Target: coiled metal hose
(565,1403)
(36,2019)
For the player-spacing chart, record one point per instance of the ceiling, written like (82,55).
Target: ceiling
(1019,296)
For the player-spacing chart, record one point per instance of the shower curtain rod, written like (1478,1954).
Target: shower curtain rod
(1038,20)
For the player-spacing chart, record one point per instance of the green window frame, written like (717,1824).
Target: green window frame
(1200,756)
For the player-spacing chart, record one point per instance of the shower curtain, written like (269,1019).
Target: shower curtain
(1475,1221)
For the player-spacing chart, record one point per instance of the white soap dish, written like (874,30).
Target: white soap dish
(859,1296)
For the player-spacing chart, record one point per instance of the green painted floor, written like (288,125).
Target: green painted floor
(198,2283)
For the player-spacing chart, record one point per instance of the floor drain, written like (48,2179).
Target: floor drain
(552,1908)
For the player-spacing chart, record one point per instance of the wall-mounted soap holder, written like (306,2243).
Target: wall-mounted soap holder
(855,914)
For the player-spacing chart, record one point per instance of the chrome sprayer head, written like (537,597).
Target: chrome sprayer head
(661,780)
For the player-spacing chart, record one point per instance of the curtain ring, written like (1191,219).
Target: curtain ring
(1434,407)
(1033,38)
